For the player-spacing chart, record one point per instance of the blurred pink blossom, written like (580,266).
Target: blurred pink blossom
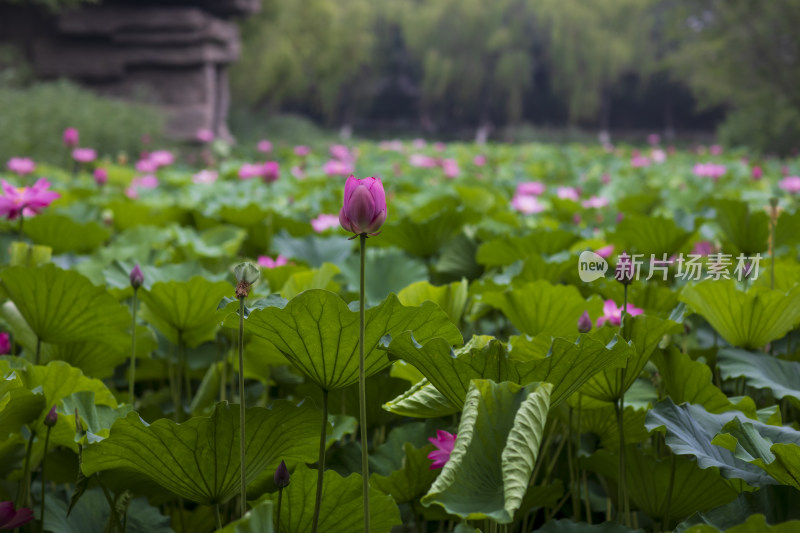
(653,139)
(422,161)
(479,160)
(444,443)
(266,261)
(639,161)
(532,188)
(715,149)
(204,135)
(658,155)
(613,314)
(340,152)
(205,177)
(595,202)
(84,155)
(71,137)
(25,201)
(419,144)
(100,176)
(702,248)
(5,343)
(324,222)
(527,204)
(605,252)
(21,165)
(790,184)
(450,168)
(264,146)
(568,193)
(161,158)
(146,166)
(392,146)
(709,170)
(757,173)
(336,167)
(439,146)
(302,150)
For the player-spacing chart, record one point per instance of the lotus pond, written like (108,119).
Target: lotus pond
(555,338)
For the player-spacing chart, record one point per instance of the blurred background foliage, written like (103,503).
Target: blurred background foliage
(516,68)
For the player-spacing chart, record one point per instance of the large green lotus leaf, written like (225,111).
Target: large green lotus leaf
(342,509)
(552,269)
(777,502)
(786,230)
(412,480)
(319,334)
(313,250)
(26,255)
(128,213)
(317,278)
(18,405)
(780,460)
(761,371)
(97,419)
(184,310)
(457,259)
(744,231)
(424,237)
(387,271)
(690,430)
(452,298)
(649,235)
(568,364)
(744,319)
(422,400)
(568,526)
(257,520)
(540,307)
(648,483)
(603,423)
(219,241)
(645,333)
(62,306)
(63,234)
(199,459)
(506,250)
(754,524)
(494,455)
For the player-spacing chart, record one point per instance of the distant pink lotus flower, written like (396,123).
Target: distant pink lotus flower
(639,161)
(71,137)
(605,252)
(653,139)
(84,155)
(531,188)
(439,146)
(418,144)
(613,314)
(702,248)
(250,170)
(785,170)
(658,155)
(21,166)
(204,135)
(790,184)
(161,158)
(620,216)
(391,146)
(205,177)
(444,443)
(324,222)
(146,166)
(100,176)
(5,343)
(595,202)
(568,193)
(479,160)
(298,172)
(340,152)
(25,201)
(302,151)
(757,173)
(422,161)
(267,262)
(264,146)
(13,519)
(605,178)
(450,168)
(336,167)
(527,204)
(138,183)
(709,170)
(270,171)
(715,149)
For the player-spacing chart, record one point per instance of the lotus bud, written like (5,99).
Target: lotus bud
(584,323)
(137,277)
(364,209)
(71,137)
(51,418)
(282,476)
(246,274)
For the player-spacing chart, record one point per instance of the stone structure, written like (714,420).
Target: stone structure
(171,53)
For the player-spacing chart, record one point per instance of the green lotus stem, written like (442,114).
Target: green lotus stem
(320,473)
(21,223)
(278,514)
(38,351)
(132,371)
(362,386)
(243,503)
(23,495)
(622,491)
(217,517)
(669,492)
(44,459)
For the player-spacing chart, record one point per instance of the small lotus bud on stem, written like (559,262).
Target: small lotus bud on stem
(137,277)
(584,323)
(51,418)
(282,476)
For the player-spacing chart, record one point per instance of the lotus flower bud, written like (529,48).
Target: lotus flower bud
(51,418)
(100,176)
(71,137)
(137,278)
(246,274)
(364,209)
(584,323)
(282,476)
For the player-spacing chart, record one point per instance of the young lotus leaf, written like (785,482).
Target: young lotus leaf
(317,278)
(412,480)
(342,509)
(744,319)
(648,479)
(690,430)
(498,442)
(539,307)
(318,333)
(452,298)
(761,371)
(199,459)
(422,400)
(63,234)
(257,520)
(184,311)
(506,250)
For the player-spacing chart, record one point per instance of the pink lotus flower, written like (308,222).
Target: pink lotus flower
(25,201)
(264,146)
(653,139)
(340,152)
(100,176)
(422,161)
(267,262)
(21,166)
(392,146)
(605,252)
(302,151)
(640,161)
(444,443)
(204,135)
(146,166)
(709,170)
(139,183)
(364,208)
(479,160)
(439,146)
(450,168)
(658,155)
(790,184)
(418,144)
(324,222)
(270,171)
(527,204)
(568,193)
(298,172)
(161,158)
(595,202)
(702,248)
(205,177)
(84,155)
(71,137)
(531,188)
(11,519)
(336,167)
(5,343)
(757,173)
(613,314)
(715,149)
(250,170)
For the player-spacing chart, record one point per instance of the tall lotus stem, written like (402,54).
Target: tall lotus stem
(320,473)
(49,421)
(773,223)
(362,389)
(137,278)
(281,479)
